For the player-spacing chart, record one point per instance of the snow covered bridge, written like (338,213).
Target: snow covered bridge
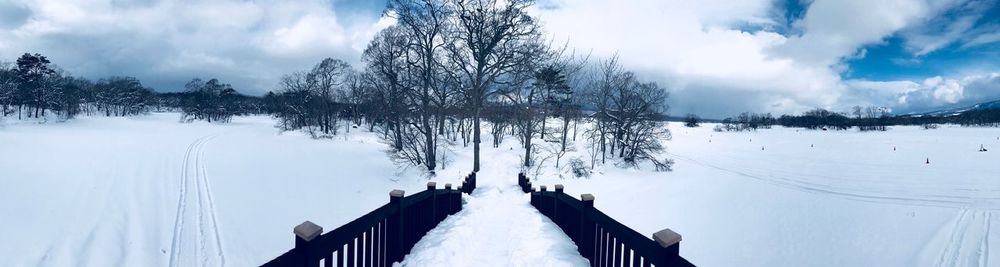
(495,224)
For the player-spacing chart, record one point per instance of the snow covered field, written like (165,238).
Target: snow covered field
(108,192)
(817,198)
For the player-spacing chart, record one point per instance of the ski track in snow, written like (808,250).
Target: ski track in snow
(862,194)
(968,244)
(204,215)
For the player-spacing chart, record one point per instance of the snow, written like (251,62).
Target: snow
(107,192)
(814,198)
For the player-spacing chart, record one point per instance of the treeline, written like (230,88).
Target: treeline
(32,86)
(448,68)
(862,118)
(974,117)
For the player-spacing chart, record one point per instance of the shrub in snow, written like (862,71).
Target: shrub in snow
(718,128)
(664,165)
(579,168)
(929,126)
(692,120)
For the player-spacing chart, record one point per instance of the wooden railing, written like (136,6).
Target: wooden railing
(600,238)
(380,237)
(524,183)
(468,184)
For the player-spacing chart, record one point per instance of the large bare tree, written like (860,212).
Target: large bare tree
(485,44)
(424,23)
(385,63)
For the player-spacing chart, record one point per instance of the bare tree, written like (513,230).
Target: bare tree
(628,116)
(384,60)
(424,23)
(8,87)
(524,90)
(483,46)
(326,79)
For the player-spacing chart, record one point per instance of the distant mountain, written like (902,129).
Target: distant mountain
(995,104)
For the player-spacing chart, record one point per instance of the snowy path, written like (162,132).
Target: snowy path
(496,227)
(196,238)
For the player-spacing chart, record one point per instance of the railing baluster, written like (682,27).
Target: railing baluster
(368,247)
(633,257)
(376,244)
(609,243)
(618,252)
(601,258)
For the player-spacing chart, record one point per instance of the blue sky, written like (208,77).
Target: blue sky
(716,57)
(892,60)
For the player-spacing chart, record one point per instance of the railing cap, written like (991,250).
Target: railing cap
(432,185)
(543,188)
(587,197)
(397,193)
(308,230)
(667,237)
(447,186)
(559,187)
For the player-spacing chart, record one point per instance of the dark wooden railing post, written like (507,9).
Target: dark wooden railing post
(540,203)
(430,218)
(670,241)
(533,198)
(473,183)
(456,201)
(555,205)
(447,190)
(396,233)
(522,183)
(304,233)
(587,231)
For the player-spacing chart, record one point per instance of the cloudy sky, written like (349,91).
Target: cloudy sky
(717,57)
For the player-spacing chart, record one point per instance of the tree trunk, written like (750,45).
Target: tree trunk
(527,145)
(440,123)
(475,140)
(398,144)
(603,144)
(575,123)
(542,133)
(429,140)
(564,133)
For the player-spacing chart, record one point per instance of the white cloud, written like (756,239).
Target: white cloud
(931,93)
(946,91)
(165,43)
(696,50)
